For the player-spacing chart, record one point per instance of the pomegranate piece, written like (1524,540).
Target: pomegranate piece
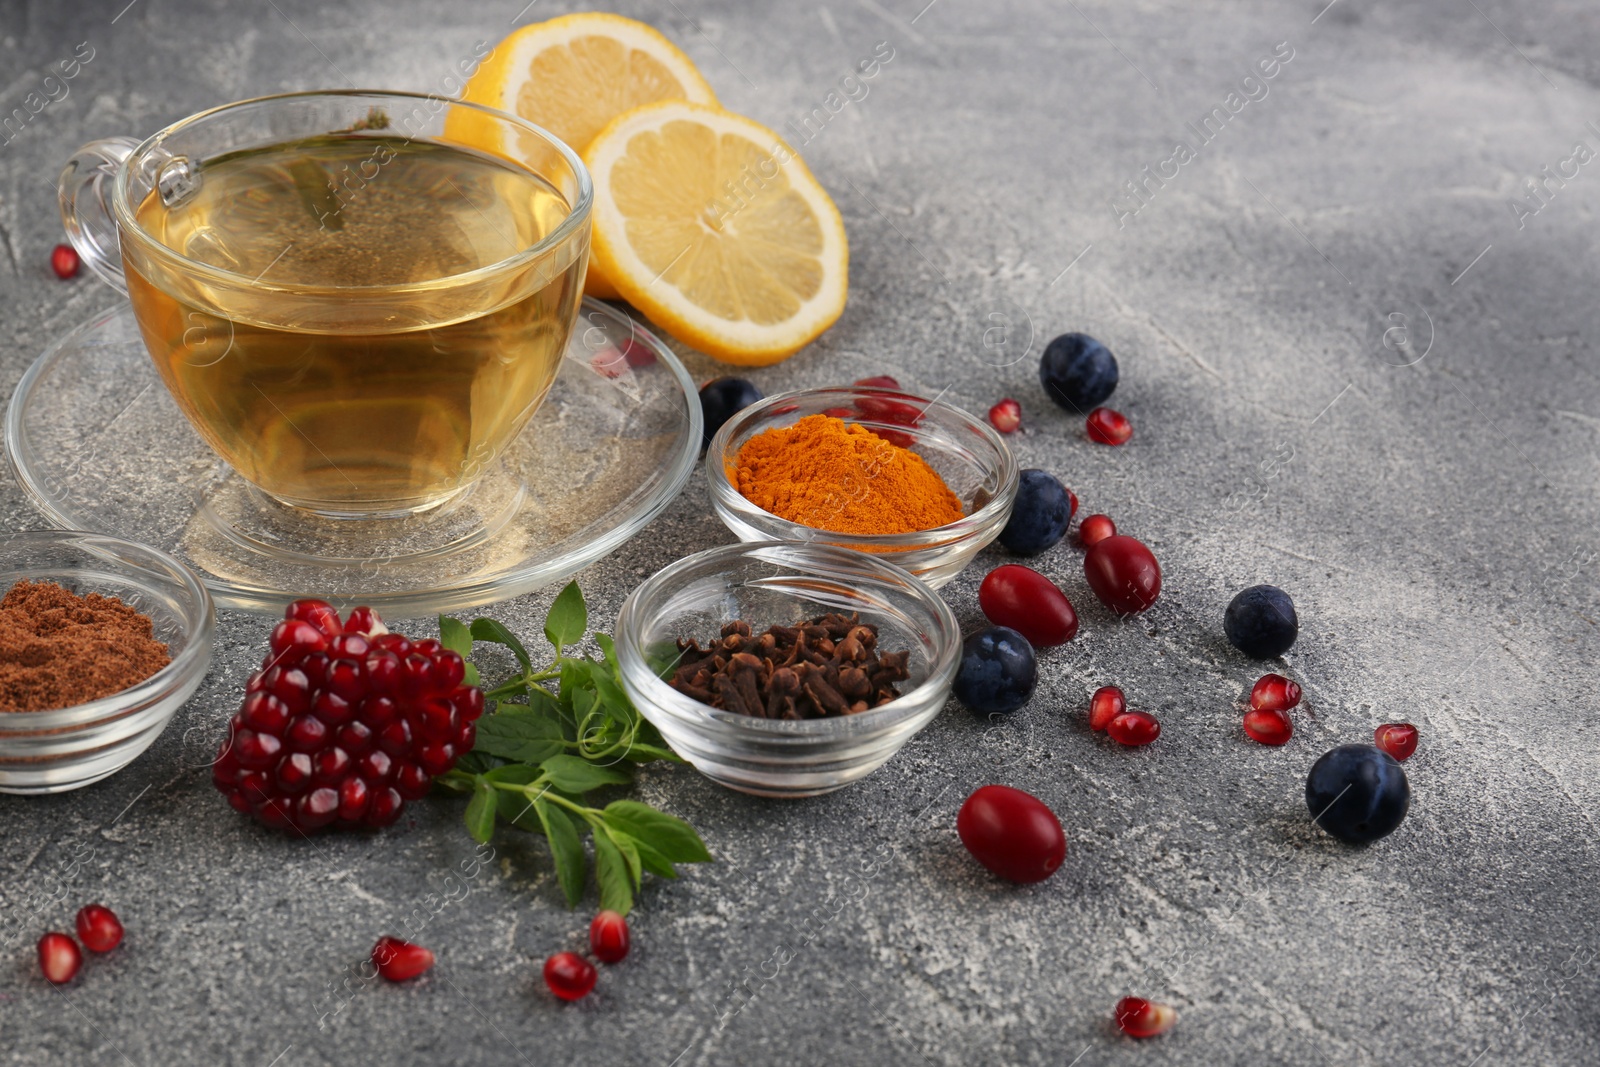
(59,957)
(1030,604)
(1269,726)
(1012,833)
(1006,416)
(345,723)
(1123,573)
(98,928)
(569,975)
(1133,728)
(1106,704)
(1096,528)
(608,937)
(399,960)
(1108,427)
(1274,692)
(881,381)
(1138,1017)
(64,261)
(1399,739)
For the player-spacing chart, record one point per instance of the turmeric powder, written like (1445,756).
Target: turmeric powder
(831,475)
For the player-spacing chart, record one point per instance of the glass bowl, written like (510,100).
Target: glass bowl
(67,748)
(769,583)
(965,451)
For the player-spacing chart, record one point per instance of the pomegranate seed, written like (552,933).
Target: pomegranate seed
(608,937)
(1072,504)
(318,613)
(1096,528)
(1274,692)
(1399,739)
(399,960)
(1123,573)
(293,640)
(569,975)
(896,411)
(1006,416)
(1133,728)
(364,620)
(837,413)
(1109,427)
(1138,1017)
(264,712)
(1270,726)
(881,381)
(1106,704)
(64,261)
(59,957)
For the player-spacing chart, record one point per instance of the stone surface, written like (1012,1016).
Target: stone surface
(1435,523)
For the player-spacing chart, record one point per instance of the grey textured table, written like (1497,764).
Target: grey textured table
(1435,522)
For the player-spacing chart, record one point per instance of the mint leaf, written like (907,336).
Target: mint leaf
(667,834)
(480,811)
(568,620)
(573,774)
(454,635)
(495,633)
(616,889)
(525,737)
(565,848)
(472,677)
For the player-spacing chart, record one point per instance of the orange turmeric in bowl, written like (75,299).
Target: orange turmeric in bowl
(831,475)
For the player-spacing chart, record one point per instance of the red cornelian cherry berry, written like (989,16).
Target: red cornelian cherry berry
(1109,427)
(1133,728)
(1399,739)
(1274,692)
(1095,528)
(59,957)
(1138,1017)
(64,261)
(1269,726)
(1013,833)
(569,975)
(608,937)
(1029,603)
(1106,704)
(98,928)
(399,960)
(1123,573)
(880,381)
(1006,416)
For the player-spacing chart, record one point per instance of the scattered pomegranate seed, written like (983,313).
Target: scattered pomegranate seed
(1269,726)
(1109,427)
(1006,416)
(608,937)
(1274,692)
(569,975)
(1072,504)
(399,960)
(881,381)
(1399,739)
(59,957)
(1096,528)
(1133,728)
(1138,1017)
(64,261)
(1106,704)
(98,928)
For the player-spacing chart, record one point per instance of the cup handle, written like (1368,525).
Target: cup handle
(87,218)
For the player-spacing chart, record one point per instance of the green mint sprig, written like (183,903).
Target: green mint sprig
(541,750)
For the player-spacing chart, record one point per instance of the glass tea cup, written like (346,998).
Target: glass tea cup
(358,299)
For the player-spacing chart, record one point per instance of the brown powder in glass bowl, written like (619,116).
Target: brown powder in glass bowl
(58,649)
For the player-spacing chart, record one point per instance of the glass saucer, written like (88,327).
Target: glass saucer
(98,445)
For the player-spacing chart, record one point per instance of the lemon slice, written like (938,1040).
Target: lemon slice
(713,227)
(572,75)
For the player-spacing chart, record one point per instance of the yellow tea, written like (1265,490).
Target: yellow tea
(350,360)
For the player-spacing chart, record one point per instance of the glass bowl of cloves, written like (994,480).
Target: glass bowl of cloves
(786,669)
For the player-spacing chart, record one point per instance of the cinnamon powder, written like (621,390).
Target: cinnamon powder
(58,649)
